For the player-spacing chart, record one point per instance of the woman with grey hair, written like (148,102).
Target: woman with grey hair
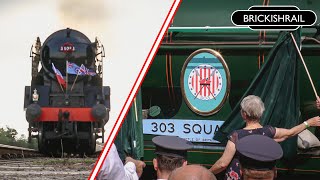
(252,109)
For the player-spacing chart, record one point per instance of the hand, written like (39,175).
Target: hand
(315,121)
(318,102)
(139,165)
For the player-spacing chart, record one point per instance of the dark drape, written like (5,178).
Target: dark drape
(276,84)
(129,140)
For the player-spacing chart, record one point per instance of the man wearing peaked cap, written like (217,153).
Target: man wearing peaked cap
(171,153)
(258,155)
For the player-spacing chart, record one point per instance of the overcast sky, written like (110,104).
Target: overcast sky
(126,28)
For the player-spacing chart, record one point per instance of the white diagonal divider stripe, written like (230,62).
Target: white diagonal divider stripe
(136,86)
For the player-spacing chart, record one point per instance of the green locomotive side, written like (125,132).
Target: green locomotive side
(207,24)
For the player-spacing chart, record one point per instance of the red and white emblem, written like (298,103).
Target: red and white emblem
(67,47)
(205,82)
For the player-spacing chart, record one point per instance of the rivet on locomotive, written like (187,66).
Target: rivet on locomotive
(67,105)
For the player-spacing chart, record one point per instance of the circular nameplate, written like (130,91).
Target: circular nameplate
(205,81)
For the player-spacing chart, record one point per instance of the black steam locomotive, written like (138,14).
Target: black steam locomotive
(67,111)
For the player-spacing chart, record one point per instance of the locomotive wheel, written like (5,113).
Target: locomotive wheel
(41,139)
(92,141)
(102,135)
(87,146)
(29,134)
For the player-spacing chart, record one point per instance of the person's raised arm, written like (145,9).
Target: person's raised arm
(318,102)
(282,134)
(225,159)
(138,165)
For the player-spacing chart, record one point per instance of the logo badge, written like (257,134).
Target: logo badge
(67,47)
(273,18)
(205,81)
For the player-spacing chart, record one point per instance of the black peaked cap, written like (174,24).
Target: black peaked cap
(171,146)
(258,152)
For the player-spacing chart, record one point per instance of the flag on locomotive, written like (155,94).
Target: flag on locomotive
(82,70)
(72,68)
(59,76)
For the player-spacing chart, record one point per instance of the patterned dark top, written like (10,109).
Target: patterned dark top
(233,170)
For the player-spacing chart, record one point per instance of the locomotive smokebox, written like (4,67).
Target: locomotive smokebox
(99,112)
(33,112)
(66,45)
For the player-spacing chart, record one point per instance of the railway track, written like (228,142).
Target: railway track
(24,163)
(46,168)
(8,152)
(12,152)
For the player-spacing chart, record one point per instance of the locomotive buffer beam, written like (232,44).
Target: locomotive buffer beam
(63,121)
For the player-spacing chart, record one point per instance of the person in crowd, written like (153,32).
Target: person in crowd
(191,172)
(252,109)
(113,168)
(171,153)
(257,156)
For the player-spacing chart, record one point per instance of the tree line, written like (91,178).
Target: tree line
(8,136)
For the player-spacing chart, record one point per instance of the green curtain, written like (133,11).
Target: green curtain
(129,140)
(277,85)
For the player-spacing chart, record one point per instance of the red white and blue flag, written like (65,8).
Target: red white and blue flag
(86,71)
(59,76)
(80,71)
(72,68)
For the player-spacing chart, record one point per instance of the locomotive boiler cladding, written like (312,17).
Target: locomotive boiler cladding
(66,104)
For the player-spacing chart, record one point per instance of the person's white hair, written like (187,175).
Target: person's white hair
(253,107)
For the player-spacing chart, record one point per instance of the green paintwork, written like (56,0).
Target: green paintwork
(195,13)
(241,58)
